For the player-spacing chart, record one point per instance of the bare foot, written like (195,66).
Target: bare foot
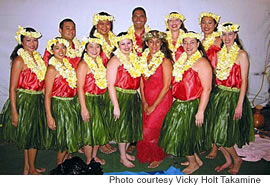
(110,147)
(223,167)
(104,149)
(154,164)
(101,161)
(130,157)
(191,168)
(200,163)
(81,150)
(127,163)
(213,153)
(236,167)
(40,170)
(35,172)
(131,148)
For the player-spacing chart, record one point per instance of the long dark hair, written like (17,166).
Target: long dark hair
(19,46)
(164,46)
(237,39)
(182,27)
(93,29)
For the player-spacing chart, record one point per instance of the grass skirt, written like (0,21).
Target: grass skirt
(31,111)
(226,131)
(95,131)
(67,136)
(128,128)
(179,134)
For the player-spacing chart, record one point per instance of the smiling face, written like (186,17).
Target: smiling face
(190,45)
(93,49)
(139,19)
(59,51)
(68,32)
(208,25)
(174,24)
(228,38)
(154,45)
(30,44)
(125,46)
(103,27)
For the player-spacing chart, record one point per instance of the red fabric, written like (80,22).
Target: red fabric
(189,88)
(148,149)
(105,59)
(125,81)
(179,52)
(28,80)
(212,55)
(91,87)
(139,41)
(234,79)
(62,89)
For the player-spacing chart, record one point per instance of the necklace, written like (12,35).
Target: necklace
(172,47)
(131,31)
(209,40)
(77,52)
(107,48)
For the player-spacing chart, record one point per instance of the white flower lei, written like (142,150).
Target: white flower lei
(98,70)
(132,65)
(209,40)
(77,52)
(150,69)
(178,42)
(226,60)
(38,67)
(66,71)
(131,31)
(107,49)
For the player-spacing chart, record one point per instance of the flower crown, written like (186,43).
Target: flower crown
(122,37)
(22,31)
(91,40)
(157,34)
(54,41)
(229,28)
(174,15)
(98,17)
(191,35)
(209,14)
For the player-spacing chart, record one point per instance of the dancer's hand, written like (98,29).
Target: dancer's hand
(116,113)
(85,115)
(14,119)
(199,118)
(238,112)
(51,123)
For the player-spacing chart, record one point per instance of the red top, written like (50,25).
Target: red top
(62,89)
(28,80)
(212,55)
(90,86)
(234,79)
(178,52)
(105,59)
(125,81)
(74,61)
(139,41)
(189,88)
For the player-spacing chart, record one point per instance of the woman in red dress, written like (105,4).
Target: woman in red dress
(156,95)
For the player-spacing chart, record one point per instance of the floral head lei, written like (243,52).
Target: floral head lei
(156,34)
(122,37)
(191,35)
(209,14)
(54,41)
(91,40)
(22,31)
(229,28)
(98,17)
(174,15)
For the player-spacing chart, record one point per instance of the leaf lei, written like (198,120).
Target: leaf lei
(183,64)
(66,71)
(35,63)
(77,52)
(131,31)
(98,70)
(209,40)
(107,49)
(172,47)
(226,60)
(131,64)
(150,69)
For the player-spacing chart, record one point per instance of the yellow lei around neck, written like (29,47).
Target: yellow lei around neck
(131,64)
(209,40)
(98,70)
(131,31)
(183,64)
(35,63)
(77,52)
(172,47)
(107,49)
(66,71)
(150,69)
(226,60)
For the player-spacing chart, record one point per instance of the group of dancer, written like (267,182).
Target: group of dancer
(173,92)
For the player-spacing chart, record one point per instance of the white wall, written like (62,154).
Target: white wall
(252,15)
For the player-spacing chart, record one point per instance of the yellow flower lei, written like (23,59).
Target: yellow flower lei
(150,69)
(66,71)
(209,14)
(132,65)
(226,60)
(22,31)
(54,41)
(98,17)
(179,16)
(183,64)
(209,40)
(98,70)
(229,28)
(77,52)
(107,49)
(131,31)
(178,42)
(38,67)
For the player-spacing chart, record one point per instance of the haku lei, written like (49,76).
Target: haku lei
(131,31)
(209,40)
(35,63)
(107,49)
(226,60)
(98,70)
(131,64)
(66,71)
(183,64)
(150,69)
